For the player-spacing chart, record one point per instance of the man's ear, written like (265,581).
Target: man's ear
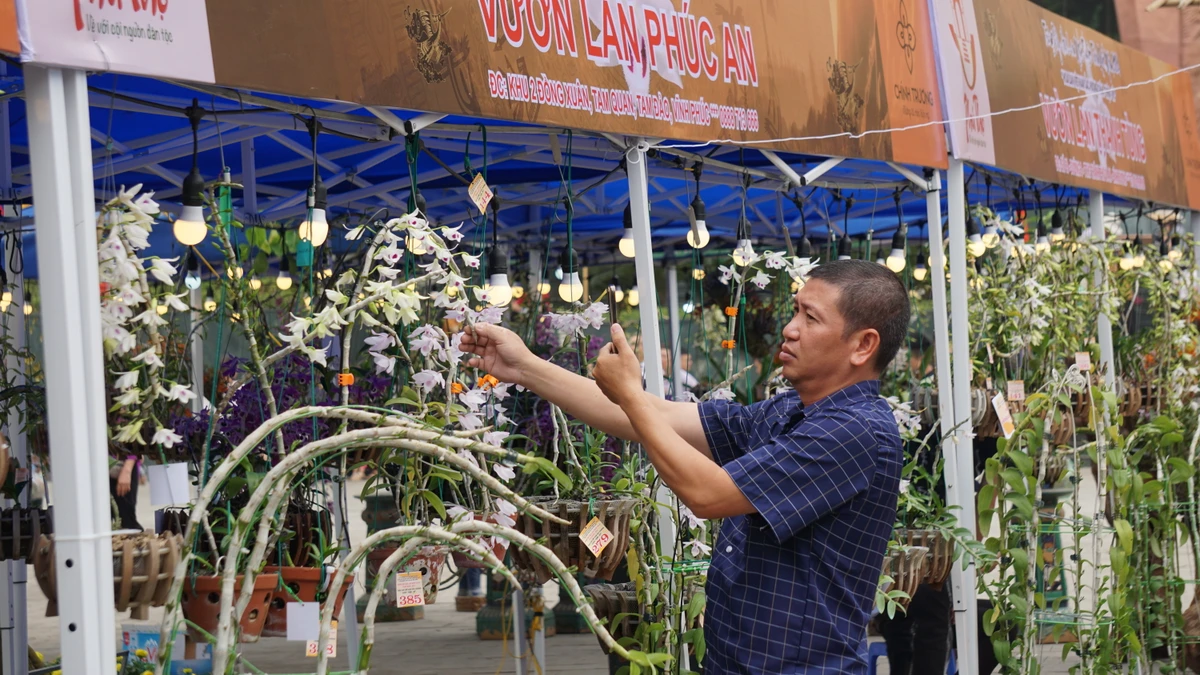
(866,345)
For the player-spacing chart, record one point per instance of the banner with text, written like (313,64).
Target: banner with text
(679,69)
(156,38)
(1077,124)
(9,42)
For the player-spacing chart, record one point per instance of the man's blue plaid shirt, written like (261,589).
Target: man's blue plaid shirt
(791,588)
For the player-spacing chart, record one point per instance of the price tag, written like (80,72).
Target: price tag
(410,589)
(303,621)
(1006,420)
(480,193)
(1084,361)
(595,536)
(310,649)
(1016,390)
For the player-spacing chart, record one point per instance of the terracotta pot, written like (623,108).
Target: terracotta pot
(463,561)
(613,600)
(907,568)
(428,561)
(304,584)
(21,529)
(564,539)
(201,605)
(143,569)
(940,558)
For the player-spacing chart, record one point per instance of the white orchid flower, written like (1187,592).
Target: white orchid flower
(453,234)
(163,270)
(427,380)
(383,363)
(699,549)
(150,358)
(469,260)
(495,437)
(178,392)
(127,379)
(379,342)
(129,399)
(505,473)
(336,297)
(761,280)
(131,433)
(166,437)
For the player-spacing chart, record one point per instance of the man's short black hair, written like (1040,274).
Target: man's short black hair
(870,296)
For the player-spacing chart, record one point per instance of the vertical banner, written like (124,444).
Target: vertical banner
(9,42)
(155,38)
(964,80)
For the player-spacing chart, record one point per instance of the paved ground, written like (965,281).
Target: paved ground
(443,643)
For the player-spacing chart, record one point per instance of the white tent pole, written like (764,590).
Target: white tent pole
(1104,328)
(639,200)
(63,190)
(945,388)
(673,313)
(964,497)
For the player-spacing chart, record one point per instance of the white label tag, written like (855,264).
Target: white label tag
(303,621)
(410,589)
(1084,361)
(595,536)
(310,649)
(1016,390)
(1006,420)
(480,193)
(168,484)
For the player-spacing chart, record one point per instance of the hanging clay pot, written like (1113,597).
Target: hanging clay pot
(611,601)
(941,552)
(21,529)
(201,605)
(499,547)
(305,585)
(564,539)
(429,561)
(143,569)
(907,568)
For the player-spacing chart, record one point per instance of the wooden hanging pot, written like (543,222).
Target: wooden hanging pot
(309,525)
(940,558)
(21,529)
(611,601)
(907,568)
(564,539)
(143,569)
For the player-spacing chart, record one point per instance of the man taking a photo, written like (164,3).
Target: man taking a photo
(806,482)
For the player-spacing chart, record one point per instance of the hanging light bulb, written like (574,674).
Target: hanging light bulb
(558,273)
(634,297)
(4,306)
(1139,257)
(881,262)
(698,274)
(1127,261)
(1043,241)
(921,272)
(416,245)
(743,253)
(307,301)
(975,244)
(6,297)
(571,288)
(28,309)
(806,248)
(626,245)
(1165,264)
(897,260)
(698,236)
(315,227)
(499,290)
(688,305)
(192,280)
(618,294)
(543,288)
(210,305)
(327,273)
(190,228)
(844,249)
(1057,233)
(255,283)
(284,280)
(1174,253)
(161,309)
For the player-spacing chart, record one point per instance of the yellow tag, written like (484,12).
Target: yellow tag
(1084,361)
(1006,420)
(595,536)
(480,193)
(410,589)
(310,648)
(1016,390)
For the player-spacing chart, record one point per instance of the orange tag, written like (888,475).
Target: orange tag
(731,311)
(595,536)
(487,382)
(345,379)
(310,648)
(457,388)
(410,589)
(729,344)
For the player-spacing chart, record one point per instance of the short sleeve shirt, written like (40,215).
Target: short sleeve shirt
(791,587)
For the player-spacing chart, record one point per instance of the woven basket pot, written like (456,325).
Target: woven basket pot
(201,605)
(908,569)
(21,530)
(940,558)
(143,569)
(564,539)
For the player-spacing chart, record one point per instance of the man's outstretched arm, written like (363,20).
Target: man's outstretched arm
(502,353)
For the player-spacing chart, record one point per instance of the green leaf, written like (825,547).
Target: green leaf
(695,606)
(659,659)
(1022,461)
(1124,534)
(1014,478)
(1022,504)
(436,502)
(1020,559)
(634,668)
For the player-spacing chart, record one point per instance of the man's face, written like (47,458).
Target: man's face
(814,340)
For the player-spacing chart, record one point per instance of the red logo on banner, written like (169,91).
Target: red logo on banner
(155,7)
